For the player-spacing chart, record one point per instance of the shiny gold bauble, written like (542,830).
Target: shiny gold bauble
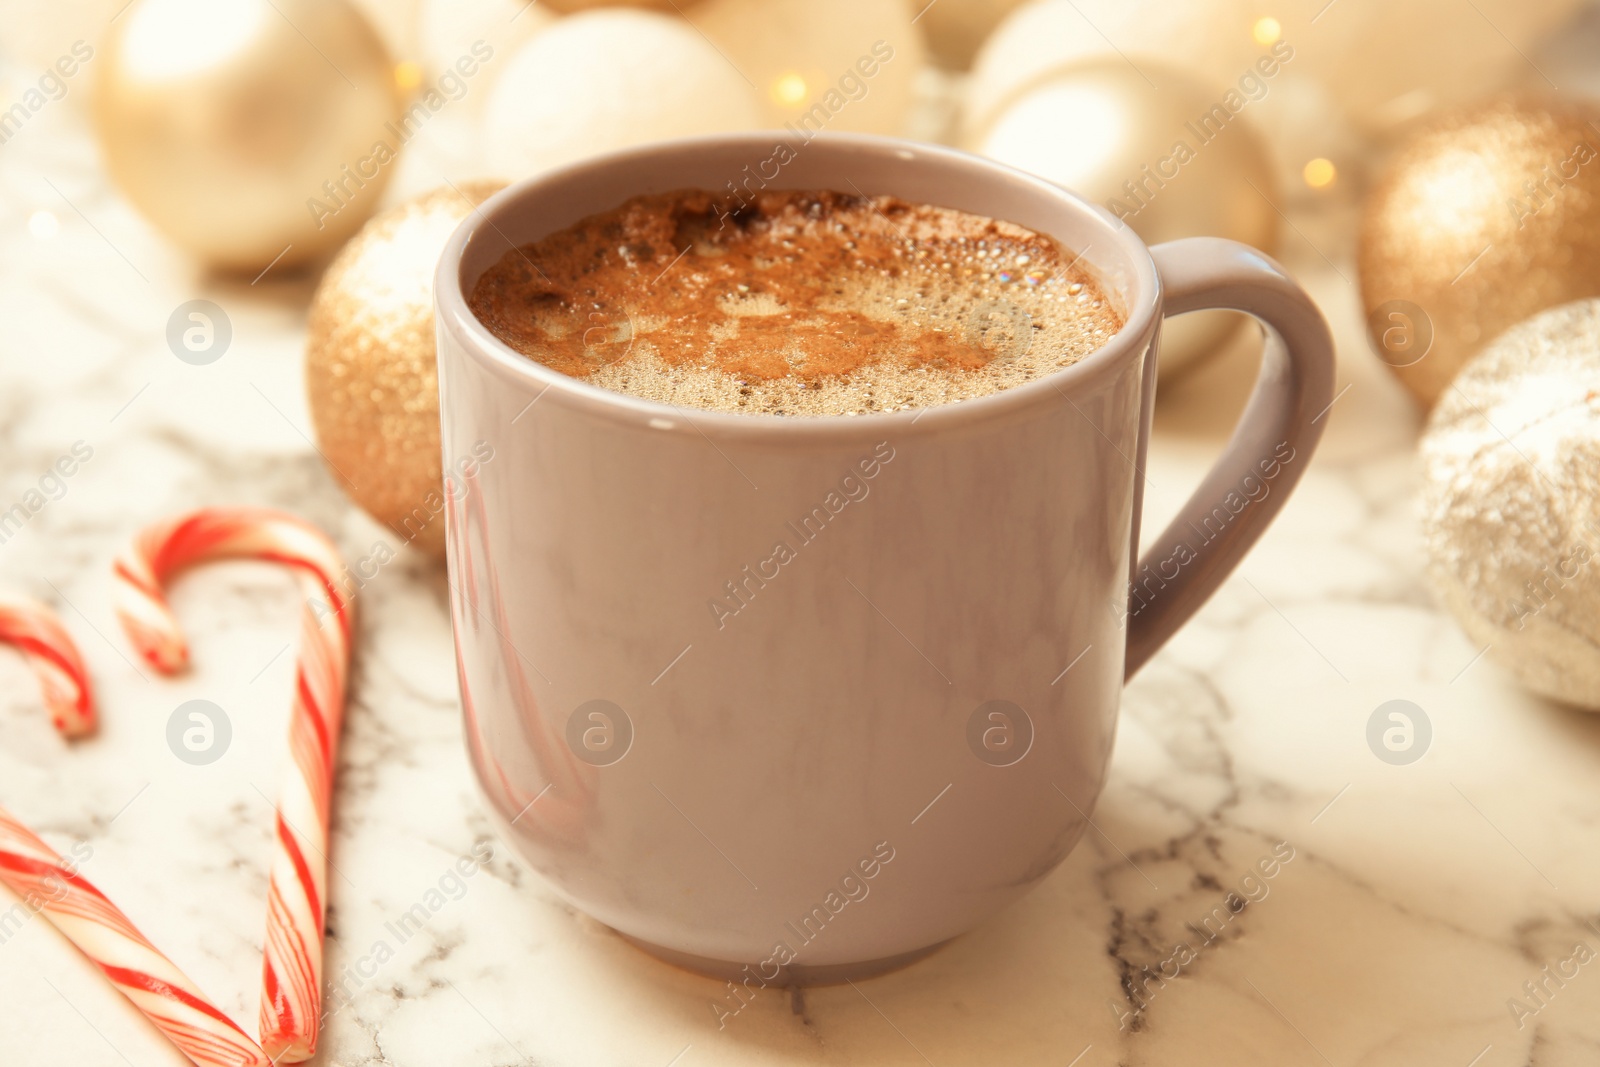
(1511,502)
(1156,154)
(371,372)
(246,130)
(1488,215)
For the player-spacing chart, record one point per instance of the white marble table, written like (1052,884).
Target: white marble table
(1418,901)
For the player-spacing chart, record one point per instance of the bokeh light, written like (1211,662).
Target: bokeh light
(1320,173)
(789,90)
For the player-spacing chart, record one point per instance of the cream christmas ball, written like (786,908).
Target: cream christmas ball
(570,6)
(250,132)
(1146,145)
(605,80)
(1384,62)
(1213,38)
(395,22)
(956,29)
(1389,63)
(482,33)
(1511,502)
(1302,120)
(821,64)
(1316,151)
(38,33)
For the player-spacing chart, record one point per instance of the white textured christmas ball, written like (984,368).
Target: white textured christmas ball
(822,64)
(1511,502)
(605,80)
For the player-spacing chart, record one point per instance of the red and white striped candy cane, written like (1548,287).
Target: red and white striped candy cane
(291,996)
(38,634)
(51,885)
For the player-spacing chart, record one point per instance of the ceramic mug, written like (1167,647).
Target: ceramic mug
(799,699)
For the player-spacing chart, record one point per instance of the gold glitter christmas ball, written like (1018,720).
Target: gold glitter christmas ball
(1511,502)
(1486,216)
(250,132)
(371,375)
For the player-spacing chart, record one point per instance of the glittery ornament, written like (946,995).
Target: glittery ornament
(248,131)
(1145,144)
(1511,502)
(371,375)
(1488,215)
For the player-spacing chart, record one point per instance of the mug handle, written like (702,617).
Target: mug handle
(1269,450)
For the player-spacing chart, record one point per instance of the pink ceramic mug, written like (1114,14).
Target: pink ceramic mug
(801,698)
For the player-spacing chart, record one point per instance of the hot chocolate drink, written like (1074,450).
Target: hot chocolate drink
(796,303)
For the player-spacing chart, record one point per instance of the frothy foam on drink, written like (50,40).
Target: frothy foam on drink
(797,303)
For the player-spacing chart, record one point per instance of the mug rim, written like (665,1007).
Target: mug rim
(1143,303)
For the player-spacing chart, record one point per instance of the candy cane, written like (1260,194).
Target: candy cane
(51,885)
(38,634)
(291,996)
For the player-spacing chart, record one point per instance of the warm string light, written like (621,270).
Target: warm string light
(789,90)
(1320,173)
(1267,31)
(407,75)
